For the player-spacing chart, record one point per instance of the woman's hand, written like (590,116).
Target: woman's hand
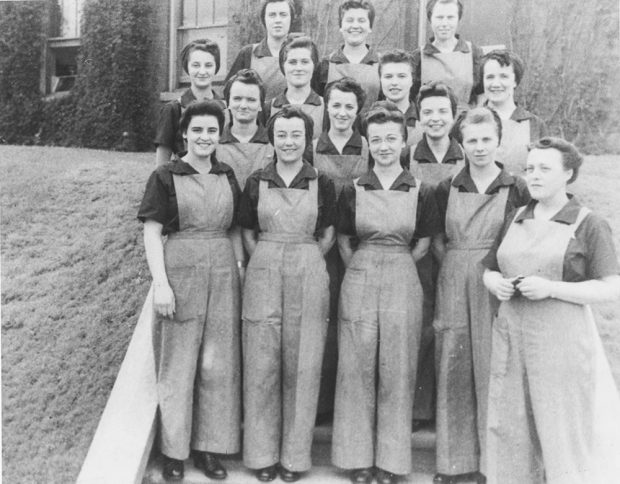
(535,288)
(500,287)
(163,300)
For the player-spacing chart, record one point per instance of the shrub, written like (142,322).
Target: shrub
(21,44)
(115,89)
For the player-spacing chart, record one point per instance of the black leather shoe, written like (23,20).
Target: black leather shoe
(385,477)
(361,476)
(174,469)
(266,474)
(210,465)
(288,476)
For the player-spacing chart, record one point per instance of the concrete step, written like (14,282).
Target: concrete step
(423,450)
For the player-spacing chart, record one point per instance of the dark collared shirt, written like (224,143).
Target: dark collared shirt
(426,213)
(281,100)
(518,194)
(248,213)
(353,146)
(159,202)
(167,133)
(424,154)
(590,254)
(538,128)
(461,46)
(259,137)
(321,73)
(244,57)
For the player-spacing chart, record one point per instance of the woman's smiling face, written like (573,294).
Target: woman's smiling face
(202,135)
(201,68)
(289,139)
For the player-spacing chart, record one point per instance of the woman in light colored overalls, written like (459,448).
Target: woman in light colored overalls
(196,289)
(287,213)
(380,316)
(473,205)
(554,410)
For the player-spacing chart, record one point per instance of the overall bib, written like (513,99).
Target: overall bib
(512,151)
(315,112)
(428,268)
(378,335)
(198,351)
(367,75)
(456,69)
(285,310)
(554,411)
(342,169)
(245,158)
(268,69)
(463,314)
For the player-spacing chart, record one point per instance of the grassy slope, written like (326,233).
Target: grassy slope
(74,280)
(73,283)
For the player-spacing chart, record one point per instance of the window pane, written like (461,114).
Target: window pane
(204,12)
(71,11)
(221,12)
(189,13)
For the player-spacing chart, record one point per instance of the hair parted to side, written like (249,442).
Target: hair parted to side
(397,56)
(571,158)
(504,58)
(205,45)
(263,9)
(298,42)
(203,108)
(358,4)
(245,76)
(479,115)
(436,89)
(430,6)
(346,84)
(382,112)
(289,112)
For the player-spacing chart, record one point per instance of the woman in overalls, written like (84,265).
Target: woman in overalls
(298,59)
(195,297)
(554,410)
(436,157)
(287,213)
(501,73)
(276,16)
(473,206)
(447,57)
(380,315)
(201,61)
(355,58)
(341,153)
(244,145)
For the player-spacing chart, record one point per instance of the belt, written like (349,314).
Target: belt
(391,248)
(470,245)
(198,234)
(287,238)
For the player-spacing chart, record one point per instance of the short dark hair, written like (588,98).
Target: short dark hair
(206,45)
(298,42)
(203,108)
(504,58)
(479,115)
(263,8)
(351,4)
(436,89)
(290,111)
(396,56)
(346,84)
(382,112)
(245,76)
(430,6)
(571,158)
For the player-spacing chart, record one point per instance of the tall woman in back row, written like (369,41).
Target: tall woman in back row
(380,317)
(472,205)
(554,410)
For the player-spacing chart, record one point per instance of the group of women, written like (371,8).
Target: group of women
(368,210)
